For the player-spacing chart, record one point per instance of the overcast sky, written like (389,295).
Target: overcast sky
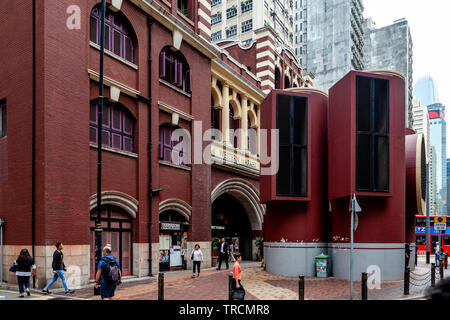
(430,30)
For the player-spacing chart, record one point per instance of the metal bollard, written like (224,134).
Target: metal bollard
(441,269)
(433,275)
(301,288)
(161,286)
(446,261)
(364,286)
(428,257)
(406,282)
(415,261)
(230,285)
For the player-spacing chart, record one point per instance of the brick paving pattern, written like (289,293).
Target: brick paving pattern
(259,285)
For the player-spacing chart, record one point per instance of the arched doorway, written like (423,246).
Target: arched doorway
(230,221)
(117,231)
(237,213)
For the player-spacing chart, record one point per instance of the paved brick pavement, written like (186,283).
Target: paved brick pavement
(259,285)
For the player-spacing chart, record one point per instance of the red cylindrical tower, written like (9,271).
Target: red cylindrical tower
(295,194)
(366,157)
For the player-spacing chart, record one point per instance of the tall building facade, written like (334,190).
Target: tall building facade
(433,195)
(426,91)
(391,48)
(330,36)
(239,20)
(438,140)
(448,183)
(421,124)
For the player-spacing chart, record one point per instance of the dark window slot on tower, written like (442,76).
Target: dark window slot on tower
(372,138)
(292,122)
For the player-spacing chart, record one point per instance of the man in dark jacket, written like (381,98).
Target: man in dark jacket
(58,267)
(223,253)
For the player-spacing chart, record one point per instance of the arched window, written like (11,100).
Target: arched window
(235,124)
(216,119)
(117,129)
(174,69)
(118,33)
(176,152)
(252,137)
(277,78)
(287,83)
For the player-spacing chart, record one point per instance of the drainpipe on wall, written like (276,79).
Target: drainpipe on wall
(1,250)
(150,186)
(33,144)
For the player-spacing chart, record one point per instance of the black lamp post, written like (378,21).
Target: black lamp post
(98,225)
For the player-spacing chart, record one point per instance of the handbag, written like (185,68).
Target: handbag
(13,267)
(238,294)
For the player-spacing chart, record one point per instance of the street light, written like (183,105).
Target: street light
(98,225)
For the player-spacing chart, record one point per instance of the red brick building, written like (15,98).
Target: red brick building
(158,58)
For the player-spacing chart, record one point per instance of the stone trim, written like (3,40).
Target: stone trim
(119,199)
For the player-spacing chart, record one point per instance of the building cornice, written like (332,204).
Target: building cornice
(172,23)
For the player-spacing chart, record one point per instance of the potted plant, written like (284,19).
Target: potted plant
(215,250)
(259,244)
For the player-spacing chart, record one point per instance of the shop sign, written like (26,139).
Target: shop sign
(170,226)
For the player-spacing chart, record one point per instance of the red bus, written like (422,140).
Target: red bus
(421,235)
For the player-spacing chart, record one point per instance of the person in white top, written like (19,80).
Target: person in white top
(197,258)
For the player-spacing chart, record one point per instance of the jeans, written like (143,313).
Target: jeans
(436,258)
(23,281)
(58,273)
(197,264)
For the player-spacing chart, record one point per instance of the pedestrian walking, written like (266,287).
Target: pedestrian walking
(231,252)
(223,254)
(197,259)
(238,291)
(25,268)
(437,254)
(59,268)
(407,253)
(108,274)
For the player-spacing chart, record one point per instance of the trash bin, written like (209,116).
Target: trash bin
(322,266)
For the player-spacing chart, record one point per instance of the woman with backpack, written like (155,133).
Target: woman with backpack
(197,258)
(25,268)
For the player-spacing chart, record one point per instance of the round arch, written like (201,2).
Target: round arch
(217,95)
(119,199)
(247,195)
(176,205)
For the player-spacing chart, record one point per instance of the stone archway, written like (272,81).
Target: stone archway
(237,210)
(247,194)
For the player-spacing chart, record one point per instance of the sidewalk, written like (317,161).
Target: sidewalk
(259,285)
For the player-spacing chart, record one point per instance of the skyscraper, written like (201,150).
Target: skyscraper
(391,48)
(330,38)
(438,140)
(426,90)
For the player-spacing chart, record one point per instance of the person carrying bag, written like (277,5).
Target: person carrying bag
(238,291)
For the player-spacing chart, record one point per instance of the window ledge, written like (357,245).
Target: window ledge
(169,164)
(115,56)
(167,3)
(112,150)
(186,18)
(164,82)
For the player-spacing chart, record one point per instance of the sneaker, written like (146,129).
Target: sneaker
(21,296)
(70,291)
(28,292)
(198,276)
(46,291)
(193,276)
